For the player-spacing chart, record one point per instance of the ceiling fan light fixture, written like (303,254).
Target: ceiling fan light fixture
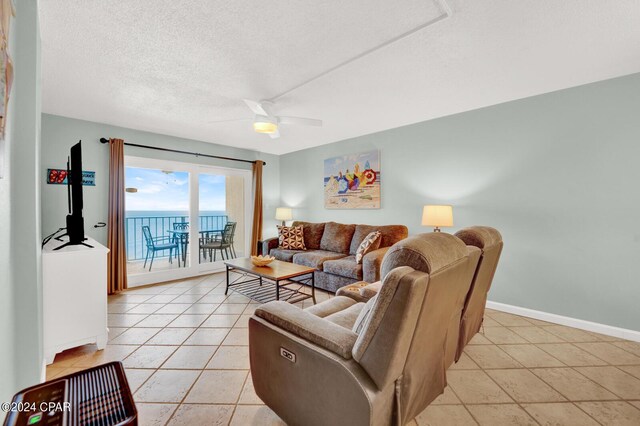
(265,125)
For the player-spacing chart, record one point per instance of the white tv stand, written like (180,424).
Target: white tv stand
(74,296)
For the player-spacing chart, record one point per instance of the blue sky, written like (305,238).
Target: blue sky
(336,164)
(169,191)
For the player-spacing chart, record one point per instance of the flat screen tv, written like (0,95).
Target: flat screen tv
(75,221)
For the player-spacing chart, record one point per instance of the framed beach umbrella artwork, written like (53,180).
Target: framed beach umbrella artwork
(352,181)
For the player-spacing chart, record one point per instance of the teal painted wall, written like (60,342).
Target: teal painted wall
(20,259)
(60,133)
(557,174)
(7,334)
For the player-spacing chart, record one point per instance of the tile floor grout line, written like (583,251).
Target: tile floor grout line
(509,395)
(514,400)
(190,387)
(235,406)
(588,415)
(579,348)
(461,403)
(575,344)
(569,399)
(607,389)
(624,350)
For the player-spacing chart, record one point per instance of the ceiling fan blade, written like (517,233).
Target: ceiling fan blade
(301,121)
(275,135)
(228,121)
(256,107)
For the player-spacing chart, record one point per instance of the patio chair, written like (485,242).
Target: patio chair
(158,244)
(222,243)
(232,248)
(179,226)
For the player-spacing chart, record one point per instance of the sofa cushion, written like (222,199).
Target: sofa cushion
(337,237)
(312,234)
(315,258)
(391,234)
(291,237)
(284,255)
(346,267)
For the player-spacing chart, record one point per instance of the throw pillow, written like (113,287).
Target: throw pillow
(291,237)
(370,243)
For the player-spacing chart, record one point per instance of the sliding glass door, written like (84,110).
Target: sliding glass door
(157,213)
(183,219)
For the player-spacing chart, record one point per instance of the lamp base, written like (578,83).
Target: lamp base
(283,223)
(436,229)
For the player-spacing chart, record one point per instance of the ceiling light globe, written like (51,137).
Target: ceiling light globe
(265,125)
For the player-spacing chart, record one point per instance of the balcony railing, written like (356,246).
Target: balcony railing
(159,226)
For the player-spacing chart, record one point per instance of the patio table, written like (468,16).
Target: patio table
(183,235)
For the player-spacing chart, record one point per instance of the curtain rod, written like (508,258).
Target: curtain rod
(197,154)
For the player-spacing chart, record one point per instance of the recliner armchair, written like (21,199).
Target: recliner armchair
(343,362)
(489,241)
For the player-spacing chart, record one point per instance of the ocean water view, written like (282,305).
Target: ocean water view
(160,223)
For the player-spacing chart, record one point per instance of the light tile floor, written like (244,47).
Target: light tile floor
(185,348)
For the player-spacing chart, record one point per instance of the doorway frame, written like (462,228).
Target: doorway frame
(195,268)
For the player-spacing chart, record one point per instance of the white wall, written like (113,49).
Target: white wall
(20,274)
(557,174)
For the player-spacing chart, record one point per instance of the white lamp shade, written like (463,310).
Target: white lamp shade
(283,213)
(437,216)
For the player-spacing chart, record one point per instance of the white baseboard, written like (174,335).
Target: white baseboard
(607,330)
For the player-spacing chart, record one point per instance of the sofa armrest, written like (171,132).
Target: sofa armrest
(268,244)
(312,328)
(371,263)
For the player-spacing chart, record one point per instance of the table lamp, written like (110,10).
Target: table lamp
(283,214)
(437,216)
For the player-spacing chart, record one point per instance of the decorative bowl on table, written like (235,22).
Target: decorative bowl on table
(262,260)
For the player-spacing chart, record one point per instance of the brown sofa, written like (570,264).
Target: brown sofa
(331,249)
(343,362)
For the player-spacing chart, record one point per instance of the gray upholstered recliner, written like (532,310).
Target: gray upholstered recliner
(489,241)
(484,238)
(342,362)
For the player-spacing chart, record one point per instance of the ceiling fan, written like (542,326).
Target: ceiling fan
(264,121)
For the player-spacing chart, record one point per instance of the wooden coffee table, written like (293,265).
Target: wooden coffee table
(276,281)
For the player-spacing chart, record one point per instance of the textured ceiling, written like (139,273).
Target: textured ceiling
(174,67)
